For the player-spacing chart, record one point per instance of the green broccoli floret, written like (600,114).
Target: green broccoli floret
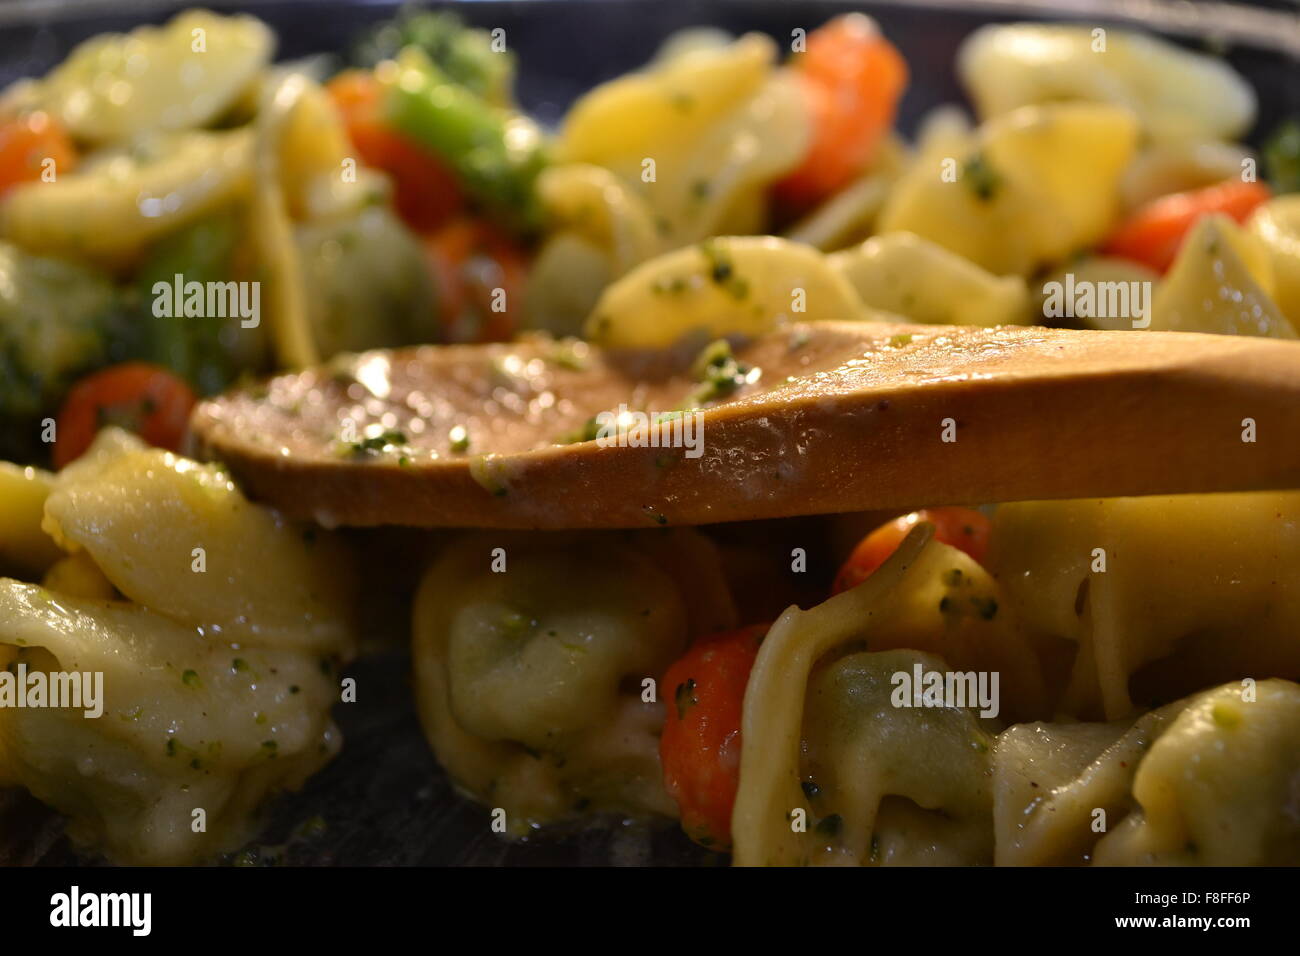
(1282,157)
(209,352)
(57,320)
(464,54)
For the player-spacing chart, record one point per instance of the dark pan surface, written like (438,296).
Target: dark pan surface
(384,801)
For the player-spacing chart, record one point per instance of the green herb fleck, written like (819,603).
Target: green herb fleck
(668,285)
(570,353)
(1282,156)
(375,444)
(719,373)
(722,270)
(984,181)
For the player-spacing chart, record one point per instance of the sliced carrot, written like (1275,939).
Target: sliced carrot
(1154,232)
(31,144)
(426,191)
(470,261)
(852,78)
(146,399)
(963,528)
(700,746)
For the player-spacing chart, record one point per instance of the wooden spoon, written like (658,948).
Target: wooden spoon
(840,417)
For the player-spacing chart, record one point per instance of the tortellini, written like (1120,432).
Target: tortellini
(909,276)
(659,159)
(1203,781)
(1220,283)
(698,134)
(531,678)
(189,724)
(881,785)
(1177,94)
(1161,595)
(594,203)
(1030,188)
(1277,225)
(259,575)
(24,548)
(845,760)
(729,285)
(118,201)
(180,76)
(599,229)
(212,694)
(825,738)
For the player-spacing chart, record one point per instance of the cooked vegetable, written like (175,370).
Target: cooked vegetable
(1282,157)
(57,320)
(852,78)
(142,398)
(367,283)
(1154,233)
(962,528)
(27,142)
(496,154)
(463,53)
(471,261)
(208,351)
(700,746)
(427,193)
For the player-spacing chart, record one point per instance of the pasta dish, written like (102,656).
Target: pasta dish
(840,495)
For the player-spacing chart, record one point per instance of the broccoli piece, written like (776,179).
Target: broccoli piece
(1282,157)
(209,352)
(464,54)
(58,320)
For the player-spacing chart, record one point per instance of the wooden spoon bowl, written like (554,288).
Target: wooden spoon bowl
(841,417)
